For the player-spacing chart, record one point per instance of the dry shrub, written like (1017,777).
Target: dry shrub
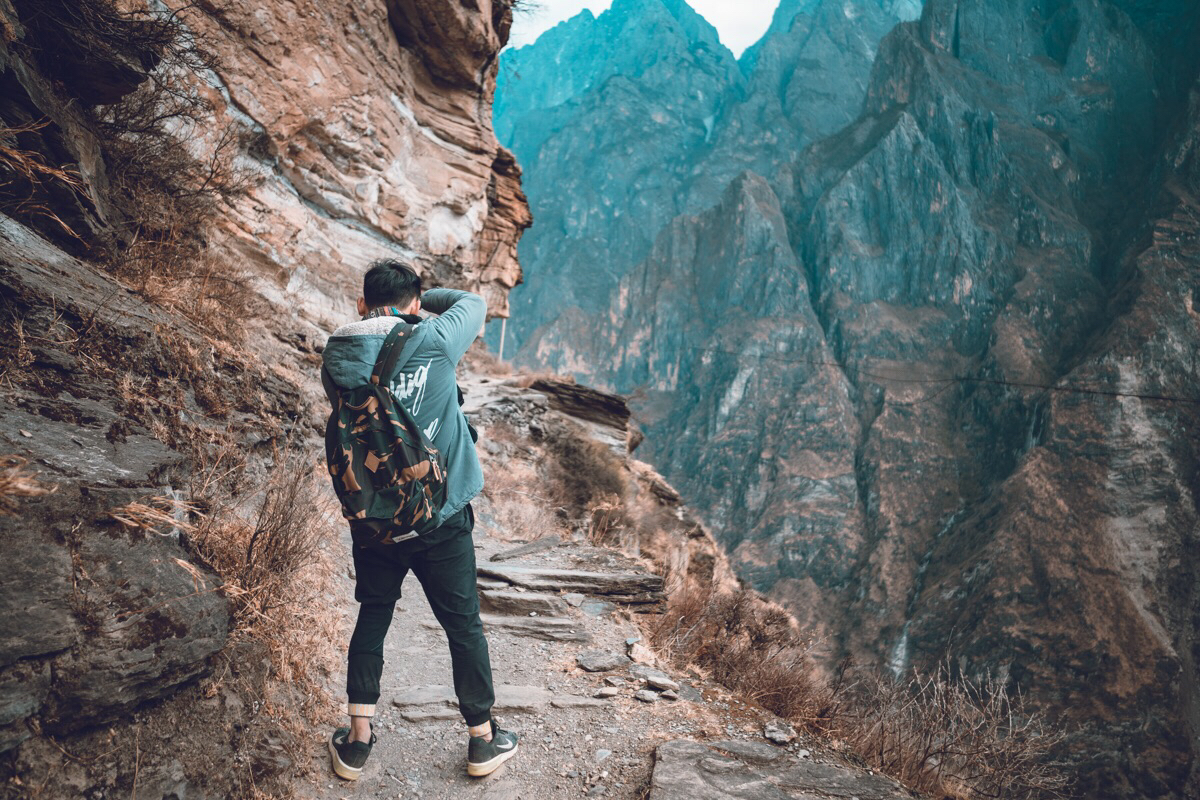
(260,555)
(584,472)
(169,174)
(746,644)
(277,550)
(484,362)
(164,515)
(948,736)
(168,167)
(16,481)
(520,513)
(608,521)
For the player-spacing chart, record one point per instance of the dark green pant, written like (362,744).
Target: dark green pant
(444,563)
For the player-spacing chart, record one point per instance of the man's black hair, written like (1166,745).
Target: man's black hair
(390,283)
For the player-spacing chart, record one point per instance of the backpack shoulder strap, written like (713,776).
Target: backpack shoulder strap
(397,349)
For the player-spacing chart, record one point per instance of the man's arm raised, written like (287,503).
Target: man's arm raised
(461,317)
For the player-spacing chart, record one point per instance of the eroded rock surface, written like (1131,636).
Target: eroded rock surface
(371,130)
(359,132)
(688,770)
(930,378)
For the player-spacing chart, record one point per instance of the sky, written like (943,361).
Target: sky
(740,23)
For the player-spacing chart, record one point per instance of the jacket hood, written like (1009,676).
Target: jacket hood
(352,350)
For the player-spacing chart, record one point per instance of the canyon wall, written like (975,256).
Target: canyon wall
(343,134)
(929,375)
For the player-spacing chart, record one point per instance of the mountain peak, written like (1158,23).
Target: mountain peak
(695,27)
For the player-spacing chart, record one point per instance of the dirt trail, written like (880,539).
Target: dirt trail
(605,743)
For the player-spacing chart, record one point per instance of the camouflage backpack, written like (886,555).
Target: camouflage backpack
(388,476)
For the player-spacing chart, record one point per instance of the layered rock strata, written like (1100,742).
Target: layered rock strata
(352,133)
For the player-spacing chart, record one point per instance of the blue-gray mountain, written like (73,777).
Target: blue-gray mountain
(787,259)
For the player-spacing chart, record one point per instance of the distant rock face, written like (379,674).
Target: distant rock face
(899,372)
(626,120)
(640,87)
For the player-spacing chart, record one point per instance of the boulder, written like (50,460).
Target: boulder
(600,660)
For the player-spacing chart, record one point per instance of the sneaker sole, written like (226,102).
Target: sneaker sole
(340,768)
(488,767)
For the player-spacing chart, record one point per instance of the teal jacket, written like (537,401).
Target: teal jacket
(427,384)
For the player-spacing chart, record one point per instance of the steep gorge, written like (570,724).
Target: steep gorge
(913,373)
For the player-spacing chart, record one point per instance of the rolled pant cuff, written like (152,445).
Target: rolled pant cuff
(477,719)
(360,709)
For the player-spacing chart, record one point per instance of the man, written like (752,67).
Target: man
(443,560)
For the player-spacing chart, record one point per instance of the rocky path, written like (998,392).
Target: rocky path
(571,740)
(552,615)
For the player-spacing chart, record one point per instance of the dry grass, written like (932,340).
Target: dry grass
(584,473)
(277,552)
(170,174)
(748,645)
(484,362)
(520,513)
(937,734)
(169,169)
(260,542)
(162,515)
(951,737)
(24,175)
(17,481)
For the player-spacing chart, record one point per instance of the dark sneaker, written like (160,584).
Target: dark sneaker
(483,756)
(348,757)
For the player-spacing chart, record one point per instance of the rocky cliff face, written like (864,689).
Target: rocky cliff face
(371,133)
(690,119)
(353,133)
(915,375)
(356,134)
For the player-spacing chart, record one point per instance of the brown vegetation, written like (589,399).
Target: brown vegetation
(275,550)
(17,481)
(938,734)
(133,76)
(585,472)
(169,173)
(24,174)
(747,645)
(511,484)
(944,734)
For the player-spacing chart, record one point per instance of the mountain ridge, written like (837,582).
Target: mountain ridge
(965,237)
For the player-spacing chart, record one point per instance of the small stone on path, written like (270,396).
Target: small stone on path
(779,732)
(669,694)
(600,660)
(655,677)
(598,608)
(646,696)
(640,654)
(607,691)
(574,599)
